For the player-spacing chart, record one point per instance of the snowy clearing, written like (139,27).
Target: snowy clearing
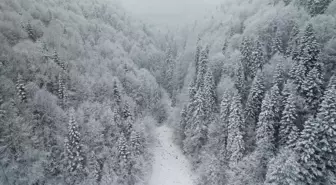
(170,165)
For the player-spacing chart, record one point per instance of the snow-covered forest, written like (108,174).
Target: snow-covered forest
(244,94)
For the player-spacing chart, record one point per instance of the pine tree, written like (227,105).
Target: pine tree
(312,90)
(327,138)
(277,44)
(202,69)
(224,117)
(196,127)
(74,153)
(56,58)
(95,169)
(197,58)
(299,76)
(61,90)
(309,49)
(246,50)
(21,90)
(183,122)
(210,94)
(311,164)
(136,143)
(293,42)
(289,132)
(123,149)
(236,145)
(258,59)
(279,78)
(116,93)
(31,32)
(254,100)
(268,124)
(239,82)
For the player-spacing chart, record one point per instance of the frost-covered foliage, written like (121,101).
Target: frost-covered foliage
(277,58)
(70,71)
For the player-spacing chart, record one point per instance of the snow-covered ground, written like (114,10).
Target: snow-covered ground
(170,165)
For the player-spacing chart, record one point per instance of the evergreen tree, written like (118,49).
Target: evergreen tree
(246,50)
(116,94)
(308,49)
(56,58)
(311,164)
(210,94)
(202,70)
(268,125)
(239,82)
(183,122)
(236,145)
(31,32)
(293,43)
(21,89)
(73,147)
(315,7)
(326,118)
(299,77)
(289,132)
(258,59)
(254,100)
(279,77)
(123,149)
(95,169)
(312,90)
(277,44)
(136,143)
(225,108)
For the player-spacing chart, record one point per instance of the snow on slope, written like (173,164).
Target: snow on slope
(170,166)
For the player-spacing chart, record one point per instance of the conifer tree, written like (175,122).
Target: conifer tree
(123,149)
(258,59)
(21,89)
(312,90)
(31,32)
(56,58)
(202,69)
(136,143)
(293,42)
(210,94)
(254,100)
(183,122)
(279,78)
(73,147)
(236,145)
(225,108)
(289,132)
(309,49)
(116,93)
(197,58)
(267,125)
(246,50)
(311,164)
(239,82)
(277,44)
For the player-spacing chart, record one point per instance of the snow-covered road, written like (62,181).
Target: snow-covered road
(170,166)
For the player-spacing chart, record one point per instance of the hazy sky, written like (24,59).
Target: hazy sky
(169,12)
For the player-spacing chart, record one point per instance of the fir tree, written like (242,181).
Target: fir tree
(277,44)
(197,58)
(31,32)
(289,132)
(73,147)
(236,145)
(136,143)
(123,149)
(225,108)
(279,78)
(268,124)
(311,164)
(254,100)
(210,94)
(116,93)
(299,76)
(312,90)
(21,89)
(326,118)
(293,42)
(239,82)
(183,122)
(56,58)
(258,59)
(308,49)
(202,70)
(315,7)
(246,50)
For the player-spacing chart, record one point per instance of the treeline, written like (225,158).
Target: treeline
(274,123)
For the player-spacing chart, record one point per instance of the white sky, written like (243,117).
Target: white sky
(169,12)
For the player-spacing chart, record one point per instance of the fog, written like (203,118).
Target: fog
(170,13)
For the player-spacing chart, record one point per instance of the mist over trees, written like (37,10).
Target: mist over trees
(250,91)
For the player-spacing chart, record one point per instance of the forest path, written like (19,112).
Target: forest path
(170,166)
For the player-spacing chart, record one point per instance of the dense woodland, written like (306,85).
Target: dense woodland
(250,91)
